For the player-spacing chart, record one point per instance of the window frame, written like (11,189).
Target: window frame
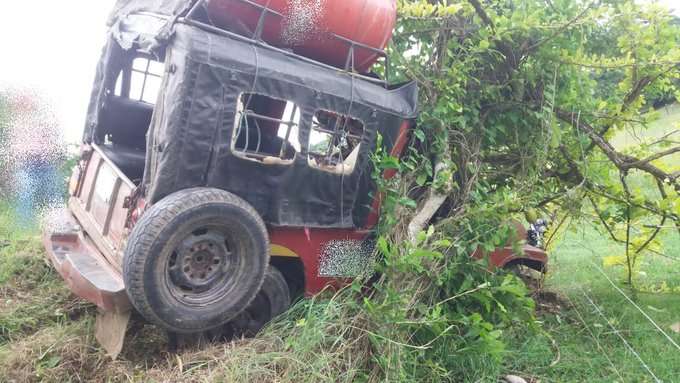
(126,74)
(242,112)
(334,134)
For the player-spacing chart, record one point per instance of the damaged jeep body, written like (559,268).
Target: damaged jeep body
(190,125)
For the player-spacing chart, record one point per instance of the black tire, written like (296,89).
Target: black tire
(272,300)
(526,274)
(195,260)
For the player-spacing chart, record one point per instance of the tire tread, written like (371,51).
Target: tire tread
(150,226)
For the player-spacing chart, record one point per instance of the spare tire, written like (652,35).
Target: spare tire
(195,260)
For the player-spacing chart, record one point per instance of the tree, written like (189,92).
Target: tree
(522,100)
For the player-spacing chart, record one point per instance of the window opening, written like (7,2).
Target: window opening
(266,129)
(142,81)
(334,142)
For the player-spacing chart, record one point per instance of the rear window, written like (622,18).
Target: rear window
(142,81)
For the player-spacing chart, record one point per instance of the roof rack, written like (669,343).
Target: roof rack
(256,39)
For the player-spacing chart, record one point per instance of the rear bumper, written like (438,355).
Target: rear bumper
(84,269)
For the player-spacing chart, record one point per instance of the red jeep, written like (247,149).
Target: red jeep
(220,175)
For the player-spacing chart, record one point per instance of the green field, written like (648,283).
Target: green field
(589,349)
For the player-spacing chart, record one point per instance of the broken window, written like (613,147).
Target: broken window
(334,142)
(141,81)
(266,129)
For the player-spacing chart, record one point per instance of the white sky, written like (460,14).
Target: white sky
(53,47)
(674,5)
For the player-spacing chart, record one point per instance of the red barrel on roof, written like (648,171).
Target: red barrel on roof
(309,27)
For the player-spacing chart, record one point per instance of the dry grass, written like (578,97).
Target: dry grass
(46,335)
(297,348)
(68,353)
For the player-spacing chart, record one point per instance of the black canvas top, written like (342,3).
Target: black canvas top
(191,133)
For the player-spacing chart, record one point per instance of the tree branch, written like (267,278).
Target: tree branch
(641,206)
(562,28)
(482,14)
(433,202)
(604,223)
(622,161)
(656,156)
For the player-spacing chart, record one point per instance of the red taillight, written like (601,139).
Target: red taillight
(136,213)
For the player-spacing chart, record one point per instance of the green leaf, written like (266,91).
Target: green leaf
(408,202)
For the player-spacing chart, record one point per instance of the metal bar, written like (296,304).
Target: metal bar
(360,45)
(113,166)
(260,21)
(225,33)
(194,9)
(249,113)
(126,81)
(387,70)
(90,196)
(251,154)
(146,72)
(113,204)
(349,62)
(320,129)
(156,15)
(334,136)
(290,127)
(260,6)
(101,242)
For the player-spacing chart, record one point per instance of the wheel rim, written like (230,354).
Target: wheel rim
(201,268)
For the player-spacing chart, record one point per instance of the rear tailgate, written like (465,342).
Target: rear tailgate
(99,206)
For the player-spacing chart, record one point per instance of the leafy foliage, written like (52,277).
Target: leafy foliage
(520,103)
(529,96)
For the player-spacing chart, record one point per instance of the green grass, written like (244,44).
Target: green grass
(31,294)
(574,273)
(47,335)
(582,336)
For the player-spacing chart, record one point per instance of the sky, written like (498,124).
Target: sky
(52,47)
(674,5)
